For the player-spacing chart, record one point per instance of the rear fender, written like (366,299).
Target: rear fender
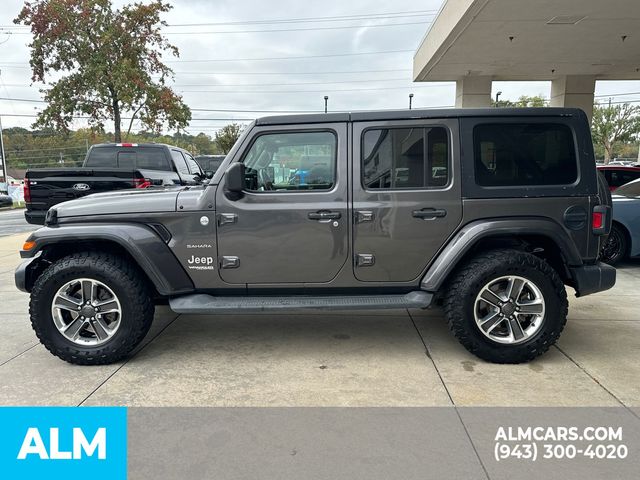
(472,233)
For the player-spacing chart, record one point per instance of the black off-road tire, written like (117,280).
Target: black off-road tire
(124,279)
(468,281)
(616,248)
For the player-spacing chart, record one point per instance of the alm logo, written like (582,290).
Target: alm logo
(34,445)
(63,442)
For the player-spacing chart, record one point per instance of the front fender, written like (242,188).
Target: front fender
(471,233)
(144,245)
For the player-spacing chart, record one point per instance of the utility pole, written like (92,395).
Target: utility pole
(326,99)
(410,100)
(3,161)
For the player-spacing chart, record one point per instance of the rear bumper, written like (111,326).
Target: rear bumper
(35,217)
(589,279)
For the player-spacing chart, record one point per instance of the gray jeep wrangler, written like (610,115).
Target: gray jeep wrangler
(489,213)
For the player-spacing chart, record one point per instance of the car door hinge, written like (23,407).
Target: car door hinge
(365,260)
(224,218)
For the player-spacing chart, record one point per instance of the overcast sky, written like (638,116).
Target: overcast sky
(246,87)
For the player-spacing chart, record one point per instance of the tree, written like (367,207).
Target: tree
(227,136)
(523,101)
(613,124)
(104,62)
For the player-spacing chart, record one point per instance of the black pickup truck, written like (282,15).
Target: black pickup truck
(109,166)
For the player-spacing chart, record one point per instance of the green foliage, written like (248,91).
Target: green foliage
(106,64)
(523,101)
(227,136)
(614,125)
(47,148)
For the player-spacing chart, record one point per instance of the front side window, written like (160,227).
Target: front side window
(193,165)
(524,154)
(399,158)
(294,161)
(181,165)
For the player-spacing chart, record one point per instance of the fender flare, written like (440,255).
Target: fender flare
(144,245)
(470,234)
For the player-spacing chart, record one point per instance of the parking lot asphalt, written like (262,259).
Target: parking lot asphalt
(367,358)
(12,221)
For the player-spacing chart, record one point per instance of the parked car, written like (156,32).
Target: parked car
(494,237)
(210,163)
(619,175)
(5,200)
(107,167)
(624,239)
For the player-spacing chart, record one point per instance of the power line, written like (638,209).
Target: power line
(340,18)
(84,117)
(298,73)
(244,92)
(363,16)
(233,85)
(299,57)
(341,27)
(274,30)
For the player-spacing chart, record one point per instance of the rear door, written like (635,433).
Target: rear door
(290,225)
(406,196)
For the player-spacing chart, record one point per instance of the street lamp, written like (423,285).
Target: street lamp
(410,100)
(326,98)
(497,97)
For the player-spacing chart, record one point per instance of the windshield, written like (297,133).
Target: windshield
(631,190)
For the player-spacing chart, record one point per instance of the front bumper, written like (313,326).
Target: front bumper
(22,273)
(589,279)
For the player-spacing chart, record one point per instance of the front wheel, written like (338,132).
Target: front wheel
(91,308)
(506,306)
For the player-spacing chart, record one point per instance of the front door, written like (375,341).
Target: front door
(406,196)
(290,225)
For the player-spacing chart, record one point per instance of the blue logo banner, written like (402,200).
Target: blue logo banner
(63,442)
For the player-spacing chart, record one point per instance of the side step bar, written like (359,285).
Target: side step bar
(207,304)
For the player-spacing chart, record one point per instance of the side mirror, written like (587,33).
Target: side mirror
(234,178)
(208,174)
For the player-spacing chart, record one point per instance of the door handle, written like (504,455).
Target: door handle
(324,215)
(429,213)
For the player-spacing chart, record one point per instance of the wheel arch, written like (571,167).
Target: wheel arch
(138,243)
(541,236)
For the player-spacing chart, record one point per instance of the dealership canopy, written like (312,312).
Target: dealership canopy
(573,43)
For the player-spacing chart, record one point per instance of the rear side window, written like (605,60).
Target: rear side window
(524,154)
(146,158)
(397,158)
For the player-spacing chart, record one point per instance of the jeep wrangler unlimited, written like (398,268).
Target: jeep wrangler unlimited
(489,213)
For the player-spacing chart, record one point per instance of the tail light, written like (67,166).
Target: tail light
(598,220)
(601,220)
(141,182)
(27,190)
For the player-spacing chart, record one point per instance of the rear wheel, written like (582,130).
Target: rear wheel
(506,306)
(91,308)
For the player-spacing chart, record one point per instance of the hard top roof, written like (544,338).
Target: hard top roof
(416,114)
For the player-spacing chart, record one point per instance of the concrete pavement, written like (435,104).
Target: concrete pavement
(391,358)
